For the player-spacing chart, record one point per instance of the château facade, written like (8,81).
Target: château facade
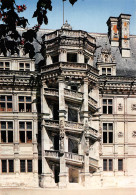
(73,120)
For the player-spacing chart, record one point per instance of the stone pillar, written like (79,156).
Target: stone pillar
(34,102)
(80,57)
(48,60)
(62,55)
(15,100)
(16,146)
(62,112)
(44,105)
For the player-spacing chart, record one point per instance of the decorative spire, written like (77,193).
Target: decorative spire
(66,26)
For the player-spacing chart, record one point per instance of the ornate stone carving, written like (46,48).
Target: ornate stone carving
(62,133)
(66,26)
(120,107)
(133,107)
(134,134)
(120,134)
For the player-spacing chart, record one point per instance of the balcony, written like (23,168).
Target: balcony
(74,127)
(93,163)
(52,124)
(74,159)
(73,95)
(51,92)
(93,133)
(92,104)
(52,155)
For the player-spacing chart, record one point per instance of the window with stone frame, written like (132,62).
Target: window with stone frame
(5,103)
(106,71)
(4,65)
(24,66)
(26,166)
(7,166)
(107,164)
(120,164)
(107,105)
(25,104)
(71,57)
(72,114)
(107,133)
(6,131)
(25,132)
(55,58)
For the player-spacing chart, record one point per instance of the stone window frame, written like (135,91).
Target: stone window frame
(6,130)
(6,102)
(108,131)
(24,66)
(76,109)
(107,106)
(122,165)
(25,131)
(108,166)
(8,166)
(5,66)
(26,165)
(25,103)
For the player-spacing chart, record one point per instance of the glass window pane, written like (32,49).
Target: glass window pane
(2,107)
(22,136)
(104,109)
(110,126)
(22,165)
(4,166)
(9,98)
(104,137)
(104,71)
(3,136)
(105,164)
(29,165)
(11,166)
(21,65)
(21,125)
(9,107)
(120,164)
(10,125)
(28,107)
(28,125)
(21,98)
(27,65)
(110,101)
(3,125)
(109,109)
(110,164)
(104,101)
(2,98)
(104,126)
(10,136)
(110,137)
(7,64)
(28,99)
(29,136)
(21,107)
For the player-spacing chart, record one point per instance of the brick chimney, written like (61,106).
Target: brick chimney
(113,32)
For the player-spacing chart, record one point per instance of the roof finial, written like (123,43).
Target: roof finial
(63,11)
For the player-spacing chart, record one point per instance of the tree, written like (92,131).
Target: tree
(10,40)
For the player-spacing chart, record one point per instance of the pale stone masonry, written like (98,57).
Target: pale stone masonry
(74,121)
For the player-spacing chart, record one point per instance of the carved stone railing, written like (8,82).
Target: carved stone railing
(93,132)
(74,65)
(51,92)
(93,162)
(73,125)
(52,123)
(74,157)
(73,94)
(17,73)
(51,154)
(92,101)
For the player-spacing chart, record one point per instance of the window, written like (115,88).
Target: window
(108,133)
(107,106)
(120,164)
(106,71)
(24,104)
(107,165)
(72,57)
(5,103)
(72,115)
(86,60)
(6,130)
(55,59)
(4,65)
(7,166)
(25,132)
(26,166)
(24,66)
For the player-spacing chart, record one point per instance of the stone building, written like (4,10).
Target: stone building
(73,122)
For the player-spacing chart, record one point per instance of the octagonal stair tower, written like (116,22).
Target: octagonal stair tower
(70,122)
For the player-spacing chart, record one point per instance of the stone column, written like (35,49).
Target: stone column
(48,60)
(62,112)
(80,57)
(15,102)
(62,55)
(44,105)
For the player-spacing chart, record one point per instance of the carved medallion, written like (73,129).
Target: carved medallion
(120,134)
(134,134)
(133,107)
(120,107)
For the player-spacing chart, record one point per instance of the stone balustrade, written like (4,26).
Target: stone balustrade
(93,132)
(51,92)
(92,101)
(93,162)
(51,153)
(74,125)
(52,123)
(73,94)
(74,157)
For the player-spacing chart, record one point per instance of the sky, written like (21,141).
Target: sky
(88,15)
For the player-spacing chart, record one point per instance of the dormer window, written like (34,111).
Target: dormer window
(4,65)
(24,66)
(72,57)
(106,71)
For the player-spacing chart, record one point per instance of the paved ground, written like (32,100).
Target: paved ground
(111,191)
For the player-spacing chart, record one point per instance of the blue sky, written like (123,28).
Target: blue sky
(88,15)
